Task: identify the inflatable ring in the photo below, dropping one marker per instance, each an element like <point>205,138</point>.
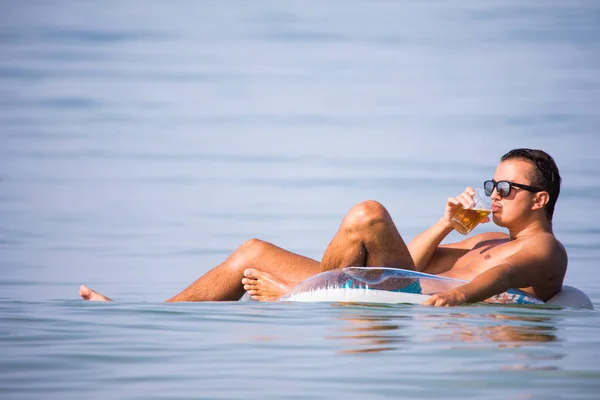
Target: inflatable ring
<point>392,285</point>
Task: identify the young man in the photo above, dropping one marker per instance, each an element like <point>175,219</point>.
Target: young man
<point>524,191</point>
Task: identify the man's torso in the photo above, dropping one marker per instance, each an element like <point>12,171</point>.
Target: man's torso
<point>491,249</point>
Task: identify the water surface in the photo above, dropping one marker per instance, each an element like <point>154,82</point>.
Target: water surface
<point>142,142</point>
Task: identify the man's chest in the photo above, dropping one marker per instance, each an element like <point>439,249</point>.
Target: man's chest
<point>487,256</point>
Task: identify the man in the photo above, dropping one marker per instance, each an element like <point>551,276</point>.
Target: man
<point>524,191</point>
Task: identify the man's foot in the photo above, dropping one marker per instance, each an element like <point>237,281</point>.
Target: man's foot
<point>88,294</point>
<point>263,286</point>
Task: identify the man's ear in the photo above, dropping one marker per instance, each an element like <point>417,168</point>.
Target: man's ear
<point>540,200</point>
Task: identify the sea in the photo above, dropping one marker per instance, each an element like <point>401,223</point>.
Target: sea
<point>141,142</point>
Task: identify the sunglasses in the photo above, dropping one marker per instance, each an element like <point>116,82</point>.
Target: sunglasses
<point>504,187</point>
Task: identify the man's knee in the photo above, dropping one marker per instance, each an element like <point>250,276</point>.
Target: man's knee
<point>253,248</point>
<point>247,254</point>
<point>365,214</point>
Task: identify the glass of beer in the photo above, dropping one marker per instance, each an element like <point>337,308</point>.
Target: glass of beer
<point>466,219</point>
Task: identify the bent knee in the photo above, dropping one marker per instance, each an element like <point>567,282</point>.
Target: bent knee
<point>246,255</point>
<point>365,213</point>
<point>251,249</point>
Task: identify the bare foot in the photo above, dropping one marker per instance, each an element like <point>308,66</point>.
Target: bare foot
<point>263,286</point>
<point>88,294</point>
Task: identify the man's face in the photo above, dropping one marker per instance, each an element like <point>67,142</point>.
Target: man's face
<point>517,205</point>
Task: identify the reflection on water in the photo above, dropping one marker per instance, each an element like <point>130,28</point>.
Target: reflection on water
<point>516,335</point>
<point>378,333</point>
<point>371,334</point>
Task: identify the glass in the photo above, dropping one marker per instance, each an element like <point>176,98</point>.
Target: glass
<point>466,219</point>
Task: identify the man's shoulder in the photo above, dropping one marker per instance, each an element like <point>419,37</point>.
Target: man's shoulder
<point>543,245</point>
<point>547,251</point>
<point>544,242</point>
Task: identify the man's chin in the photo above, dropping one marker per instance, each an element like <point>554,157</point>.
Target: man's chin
<point>498,220</point>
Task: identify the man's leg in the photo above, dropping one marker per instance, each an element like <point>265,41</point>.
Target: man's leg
<point>88,294</point>
<point>367,237</point>
<point>224,282</point>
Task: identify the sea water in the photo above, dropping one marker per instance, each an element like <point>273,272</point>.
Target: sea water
<point>141,142</point>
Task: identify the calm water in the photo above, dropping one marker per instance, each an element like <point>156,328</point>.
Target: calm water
<point>142,142</point>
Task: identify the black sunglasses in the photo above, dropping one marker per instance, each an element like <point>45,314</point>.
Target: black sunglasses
<point>504,187</point>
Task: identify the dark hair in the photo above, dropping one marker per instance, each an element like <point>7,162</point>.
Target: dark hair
<point>544,176</point>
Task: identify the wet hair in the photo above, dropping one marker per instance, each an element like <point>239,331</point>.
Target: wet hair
<point>544,176</point>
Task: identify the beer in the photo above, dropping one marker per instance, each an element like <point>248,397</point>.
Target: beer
<point>465,220</point>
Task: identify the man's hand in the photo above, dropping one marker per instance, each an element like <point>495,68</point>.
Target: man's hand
<point>453,297</point>
<point>463,200</point>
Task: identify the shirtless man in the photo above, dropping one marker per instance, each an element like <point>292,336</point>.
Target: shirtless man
<point>524,191</point>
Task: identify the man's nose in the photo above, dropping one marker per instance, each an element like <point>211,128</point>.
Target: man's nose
<point>495,196</point>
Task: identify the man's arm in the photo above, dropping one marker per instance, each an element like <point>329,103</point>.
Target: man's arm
<point>423,246</point>
<point>524,269</point>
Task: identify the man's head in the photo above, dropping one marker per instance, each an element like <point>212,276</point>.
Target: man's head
<point>538,172</point>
